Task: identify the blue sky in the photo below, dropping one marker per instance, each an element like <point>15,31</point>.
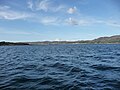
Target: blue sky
<point>40,20</point>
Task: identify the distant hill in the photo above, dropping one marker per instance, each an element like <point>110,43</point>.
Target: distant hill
<point>11,43</point>
<point>102,40</point>
<point>112,39</point>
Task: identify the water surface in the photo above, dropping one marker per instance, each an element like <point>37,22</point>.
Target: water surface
<point>60,67</point>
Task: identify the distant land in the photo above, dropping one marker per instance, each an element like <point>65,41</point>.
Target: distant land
<point>3,43</point>
<point>102,40</point>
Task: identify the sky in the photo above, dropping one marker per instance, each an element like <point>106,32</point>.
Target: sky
<point>43,20</point>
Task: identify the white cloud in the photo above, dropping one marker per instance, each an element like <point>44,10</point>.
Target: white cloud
<point>85,22</point>
<point>80,21</point>
<point>77,21</point>
<point>45,5</point>
<point>6,13</point>
<point>49,21</point>
<point>91,21</point>
<point>72,10</point>
<point>72,21</point>
<point>59,8</point>
<point>30,4</point>
<point>11,15</point>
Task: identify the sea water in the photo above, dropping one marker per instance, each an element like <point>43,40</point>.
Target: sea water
<point>60,67</point>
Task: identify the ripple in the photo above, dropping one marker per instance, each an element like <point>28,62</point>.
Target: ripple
<point>60,67</point>
<point>75,69</point>
<point>49,81</point>
<point>104,67</point>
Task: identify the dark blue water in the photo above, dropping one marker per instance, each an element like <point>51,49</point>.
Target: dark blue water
<point>60,67</point>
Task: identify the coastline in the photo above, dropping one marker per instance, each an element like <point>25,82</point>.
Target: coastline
<point>27,44</point>
<point>101,40</point>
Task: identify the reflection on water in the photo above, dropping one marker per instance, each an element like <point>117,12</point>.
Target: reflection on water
<point>60,67</point>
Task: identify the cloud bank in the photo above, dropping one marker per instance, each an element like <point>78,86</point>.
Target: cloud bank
<point>46,13</point>
<point>45,5</point>
<point>8,14</point>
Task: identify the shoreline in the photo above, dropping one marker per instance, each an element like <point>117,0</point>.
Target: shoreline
<point>101,40</point>
<point>63,44</point>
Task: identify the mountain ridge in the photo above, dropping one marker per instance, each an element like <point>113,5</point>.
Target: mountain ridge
<point>101,40</point>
